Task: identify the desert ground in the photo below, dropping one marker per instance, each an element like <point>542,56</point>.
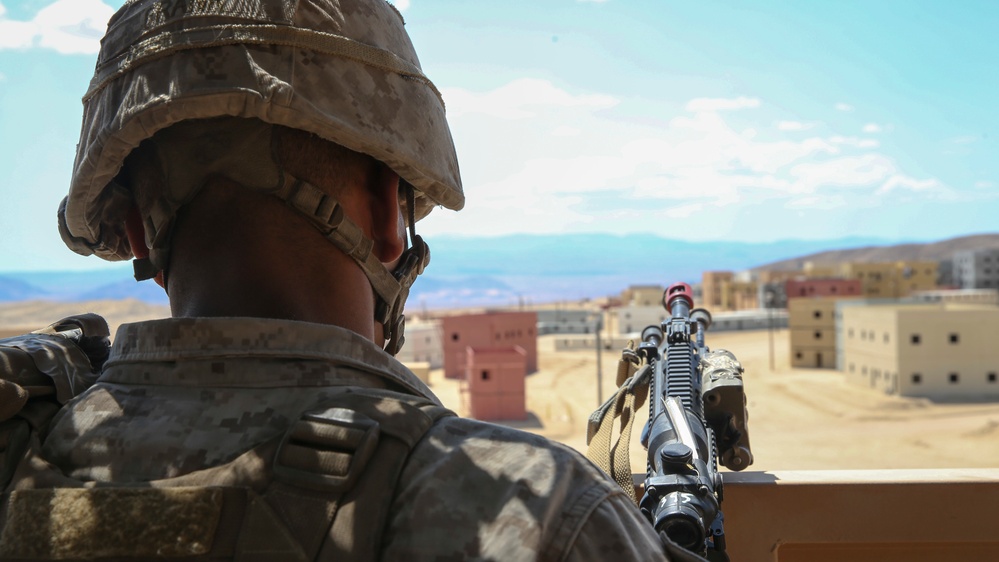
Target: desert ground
<point>798,418</point>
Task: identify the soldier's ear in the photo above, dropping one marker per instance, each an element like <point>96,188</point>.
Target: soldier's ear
<point>136,233</point>
<point>388,229</point>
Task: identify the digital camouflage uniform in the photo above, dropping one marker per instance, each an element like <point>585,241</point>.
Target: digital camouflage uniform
<point>180,395</point>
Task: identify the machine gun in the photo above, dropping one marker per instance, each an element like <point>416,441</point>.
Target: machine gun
<point>697,417</point>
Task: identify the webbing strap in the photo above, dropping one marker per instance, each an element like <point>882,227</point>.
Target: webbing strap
<point>392,288</point>
<point>615,459</point>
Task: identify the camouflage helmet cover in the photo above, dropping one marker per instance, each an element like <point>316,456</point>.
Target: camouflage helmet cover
<point>344,70</point>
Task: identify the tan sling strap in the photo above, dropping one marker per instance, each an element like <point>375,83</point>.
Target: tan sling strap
<point>614,459</point>
<point>321,491</point>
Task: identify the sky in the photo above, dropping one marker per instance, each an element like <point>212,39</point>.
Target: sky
<point>751,121</point>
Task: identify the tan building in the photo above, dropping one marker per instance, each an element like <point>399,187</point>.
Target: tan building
<point>814,270</point>
<point>643,295</point>
<point>711,288</point>
<point>892,279</point>
<point>631,320</point>
<point>722,290</point>
<point>740,295</point>
<point>812,322</point>
<point>937,351</point>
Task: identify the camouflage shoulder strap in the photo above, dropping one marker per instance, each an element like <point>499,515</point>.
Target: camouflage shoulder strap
<point>322,491</point>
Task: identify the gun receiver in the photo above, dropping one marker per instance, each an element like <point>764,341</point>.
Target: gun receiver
<point>697,415</point>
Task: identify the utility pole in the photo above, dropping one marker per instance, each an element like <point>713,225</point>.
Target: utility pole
<point>770,324</point>
<point>600,369</point>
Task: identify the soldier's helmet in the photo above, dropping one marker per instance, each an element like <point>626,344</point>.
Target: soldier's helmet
<point>344,70</point>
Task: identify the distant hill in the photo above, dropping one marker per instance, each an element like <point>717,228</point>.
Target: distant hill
<point>934,251</point>
<point>505,270</point>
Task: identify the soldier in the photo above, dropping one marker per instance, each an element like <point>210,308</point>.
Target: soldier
<point>264,160</point>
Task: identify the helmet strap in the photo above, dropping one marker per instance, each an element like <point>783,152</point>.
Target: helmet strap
<point>390,288</point>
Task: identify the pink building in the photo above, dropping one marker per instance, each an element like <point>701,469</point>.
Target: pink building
<point>493,387</point>
<point>828,287</point>
<point>491,329</point>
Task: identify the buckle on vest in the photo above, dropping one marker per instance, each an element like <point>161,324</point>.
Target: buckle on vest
<point>326,450</point>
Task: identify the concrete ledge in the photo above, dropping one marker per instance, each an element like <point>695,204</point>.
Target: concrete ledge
<point>862,515</point>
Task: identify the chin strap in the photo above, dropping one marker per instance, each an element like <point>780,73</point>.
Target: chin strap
<point>391,288</point>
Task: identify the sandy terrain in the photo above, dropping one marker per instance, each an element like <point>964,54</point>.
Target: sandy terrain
<point>799,419</point>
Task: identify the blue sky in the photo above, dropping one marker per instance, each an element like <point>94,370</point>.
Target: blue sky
<point>696,120</point>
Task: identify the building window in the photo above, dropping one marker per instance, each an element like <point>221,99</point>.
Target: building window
<point>991,377</point>
<point>953,378</point>
<point>797,355</point>
<point>915,339</point>
<point>454,336</point>
<point>917,378</point>
<point>818,335</point>
<point>485,375</point>
<point>850,332</point>
<point>863,371</point>
<point>851,367</point>
<point>954,338</point>
<point>887,338</point>
<point>817,314</point>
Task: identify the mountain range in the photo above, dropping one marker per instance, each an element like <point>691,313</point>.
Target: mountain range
<point>483,271</point>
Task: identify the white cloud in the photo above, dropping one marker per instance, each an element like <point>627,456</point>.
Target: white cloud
<point>903,182</point>
<point>699,105</point>
<point>520,99</point>
<point>843,107</point>
<point>872,128</point>
<point>65,26</point>
<point>402,5</point>
<point>983,185</point>
<point>794,126</point>
<point>854,141</point>
<point>540,158</point>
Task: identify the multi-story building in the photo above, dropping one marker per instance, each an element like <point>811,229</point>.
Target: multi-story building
<point>712,289</point>
<point>937,351</point>
<point>822,287</point>
<point>812,322</point>
<point>814,270</point>
<point>976,269</point>
<point>487,330</point>
<point>566,321</point>
<point>892,279</point>
<point>740,295</point>
<point>643,295</point>
<point>963,296</point>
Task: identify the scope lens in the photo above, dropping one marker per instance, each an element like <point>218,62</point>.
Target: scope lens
<point>684,532</point>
